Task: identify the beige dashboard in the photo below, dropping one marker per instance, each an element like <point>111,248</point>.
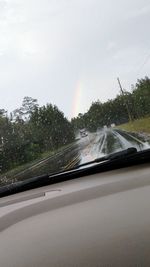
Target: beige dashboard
<point>97,220</point>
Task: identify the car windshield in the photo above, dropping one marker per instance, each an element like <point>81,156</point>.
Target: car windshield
<point>74,82</point>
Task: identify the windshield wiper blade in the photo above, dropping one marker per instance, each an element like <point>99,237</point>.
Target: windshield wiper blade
<point>113,156</point>
<point>128,157</point>
<point>120,154</point>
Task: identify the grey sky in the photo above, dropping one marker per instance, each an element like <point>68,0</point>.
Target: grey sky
<point>49,48</point>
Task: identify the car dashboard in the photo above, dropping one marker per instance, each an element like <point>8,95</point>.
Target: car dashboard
<point>97,220</point>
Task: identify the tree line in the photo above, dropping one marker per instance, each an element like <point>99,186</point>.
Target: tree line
<point>31,130</point>
<point>127,106</point>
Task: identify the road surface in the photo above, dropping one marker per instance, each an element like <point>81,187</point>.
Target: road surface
<point>109,141</point>
<point>88,148</point>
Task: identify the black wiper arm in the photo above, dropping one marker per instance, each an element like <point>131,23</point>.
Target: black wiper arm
<point>128,157</point>
<point>113,156</point>
<point>121,154</point>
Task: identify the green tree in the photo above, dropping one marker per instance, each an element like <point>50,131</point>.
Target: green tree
<point>141,96</point>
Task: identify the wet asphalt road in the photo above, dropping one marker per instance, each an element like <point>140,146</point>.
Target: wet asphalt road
<point>85,149</point>
<point>109,141</point>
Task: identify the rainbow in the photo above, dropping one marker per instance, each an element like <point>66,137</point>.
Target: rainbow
<point>77,100</point>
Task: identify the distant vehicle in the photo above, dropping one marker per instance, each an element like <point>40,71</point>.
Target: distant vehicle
<point>112,125</point>
<point>83,133</point>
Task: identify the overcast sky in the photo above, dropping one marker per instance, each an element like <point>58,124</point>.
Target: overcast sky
<point>70,52</point>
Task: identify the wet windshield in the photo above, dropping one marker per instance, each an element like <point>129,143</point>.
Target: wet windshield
<point>75,83</point>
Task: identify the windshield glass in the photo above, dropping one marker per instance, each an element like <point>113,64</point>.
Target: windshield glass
<point>74,83</point>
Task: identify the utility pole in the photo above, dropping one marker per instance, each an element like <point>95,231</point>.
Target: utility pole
<point>126,103</point>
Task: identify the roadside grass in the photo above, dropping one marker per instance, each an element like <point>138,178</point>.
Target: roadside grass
<point>141,125</point>
<point>28,165</point>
